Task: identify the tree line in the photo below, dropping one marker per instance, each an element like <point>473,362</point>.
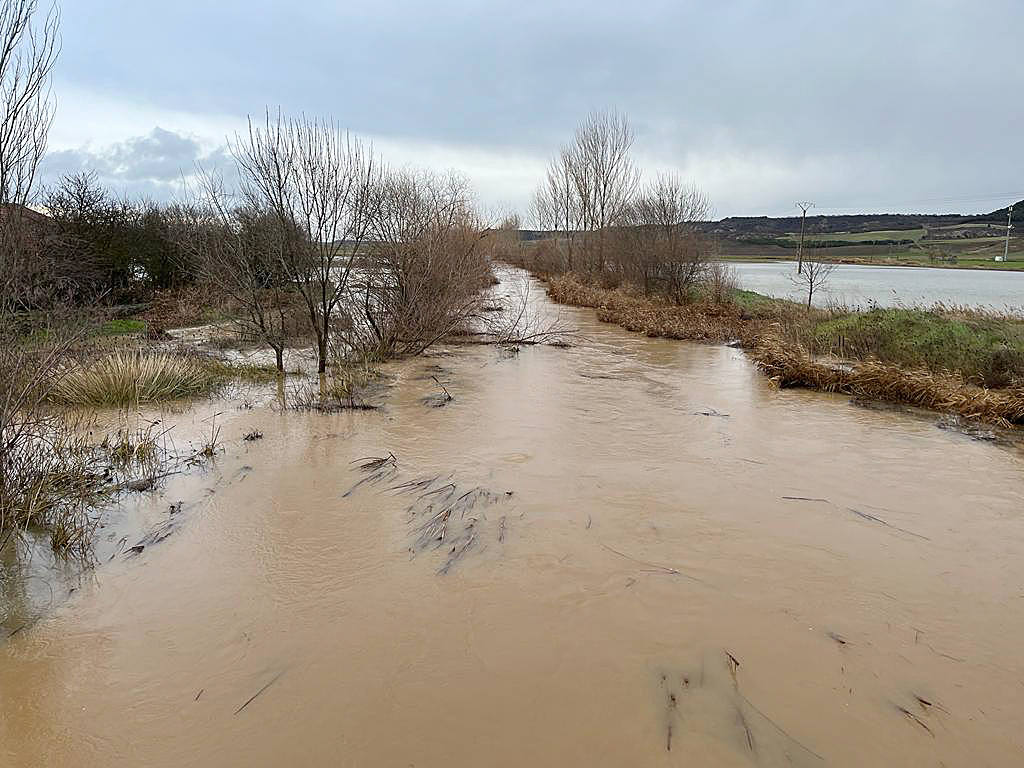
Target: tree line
<point>607,224</point>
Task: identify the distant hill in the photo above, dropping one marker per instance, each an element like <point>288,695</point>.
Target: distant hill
<point>872,238</point>
<point>745,227</point>
<point>1000,215</point>
<point>766,226</point>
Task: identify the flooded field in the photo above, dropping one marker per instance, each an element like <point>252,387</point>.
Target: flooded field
<point>861,285</point>
<point>630,552</point>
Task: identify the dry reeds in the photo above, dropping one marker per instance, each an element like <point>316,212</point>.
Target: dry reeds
<point>793,367</point>
<point>705,321</point>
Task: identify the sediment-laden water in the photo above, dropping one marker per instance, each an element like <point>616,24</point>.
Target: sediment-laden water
<point>669,562</point>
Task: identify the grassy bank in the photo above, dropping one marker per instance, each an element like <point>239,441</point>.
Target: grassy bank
<point>948,359</point>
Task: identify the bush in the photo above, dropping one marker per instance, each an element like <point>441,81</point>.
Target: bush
<point>721,282</point>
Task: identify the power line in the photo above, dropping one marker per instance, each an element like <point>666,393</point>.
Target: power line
<point>803,220</point>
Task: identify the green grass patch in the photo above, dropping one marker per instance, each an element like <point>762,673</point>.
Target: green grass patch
<point>985,349</point>
<point>225,371</point>
<point>882,234</point>
<point>754,302</point>
<point>122,326</point>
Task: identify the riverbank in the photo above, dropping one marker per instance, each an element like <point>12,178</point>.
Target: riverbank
<point>965,362</point>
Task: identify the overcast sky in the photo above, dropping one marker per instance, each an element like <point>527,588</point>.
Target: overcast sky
<point>904,105</point>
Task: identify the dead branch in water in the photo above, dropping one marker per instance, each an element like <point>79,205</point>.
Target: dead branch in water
<point>520,326</point>
<point>863,515</point>
<point>746,729</point>
<point>252,698</point>
<point>374,462</point>
<point>779,728</point>
<point>906,712</point>
<point>415,485</point>
<point>439,400</point>
<point>441,515</point>
<point>880,521</point>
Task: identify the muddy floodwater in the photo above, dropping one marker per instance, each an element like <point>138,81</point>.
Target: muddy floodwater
<point>650,557</point>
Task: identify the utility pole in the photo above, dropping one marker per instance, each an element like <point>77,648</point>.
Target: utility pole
<point>1009,226</point>
<point>800,251</point>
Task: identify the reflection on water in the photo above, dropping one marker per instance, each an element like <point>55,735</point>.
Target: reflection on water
<point>857,285</point>
<point>692,569</point>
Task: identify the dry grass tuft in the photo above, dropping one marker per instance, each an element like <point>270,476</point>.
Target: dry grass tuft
<point>133,377</point>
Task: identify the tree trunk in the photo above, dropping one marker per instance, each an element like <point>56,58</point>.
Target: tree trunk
<point>279,356</point>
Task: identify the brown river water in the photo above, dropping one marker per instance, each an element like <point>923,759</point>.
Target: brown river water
<point>621,581</point>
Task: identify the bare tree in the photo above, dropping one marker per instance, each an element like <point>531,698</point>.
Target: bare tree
<point>557,204</point>
<point>667,248</point>
<point>427,265</point>
<point>503,242</point>
<point>814,275</point>
<point>318,180</point>
<point>239,250</point>
<point>28,370</point>
<point>603,175</point>
<point>27,54</point>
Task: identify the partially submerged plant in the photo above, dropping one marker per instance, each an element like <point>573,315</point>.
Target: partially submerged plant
<point>54,478</point>
<point>340,390</point>
<point>133,377</point>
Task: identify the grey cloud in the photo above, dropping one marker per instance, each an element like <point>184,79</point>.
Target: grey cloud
<point>153,165</point>
<point>913,91</point>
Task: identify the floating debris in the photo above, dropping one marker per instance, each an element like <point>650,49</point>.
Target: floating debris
<point>910,715</point>
<point>376,468</point>
<point>252,698</point>
<point>872,518</point>
<point>712,412</point>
